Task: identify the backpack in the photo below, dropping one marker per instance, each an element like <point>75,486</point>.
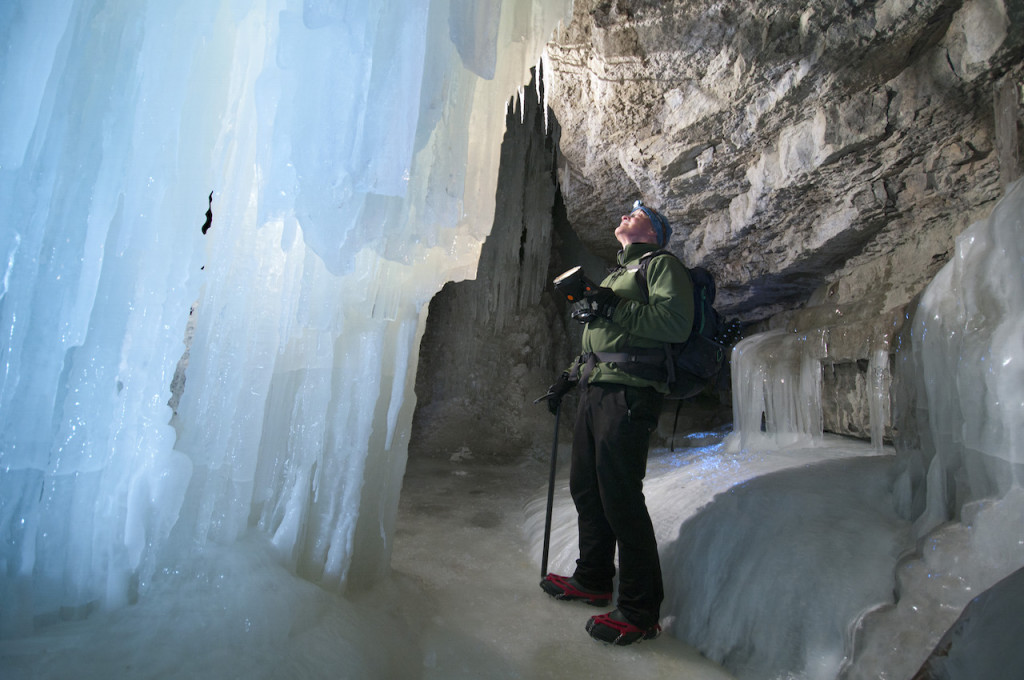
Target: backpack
<point>698,359</point>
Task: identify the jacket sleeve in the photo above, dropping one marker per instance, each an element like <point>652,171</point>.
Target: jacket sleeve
<point>668,314</point>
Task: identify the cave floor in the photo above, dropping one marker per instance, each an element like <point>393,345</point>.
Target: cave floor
<point>460,542</point>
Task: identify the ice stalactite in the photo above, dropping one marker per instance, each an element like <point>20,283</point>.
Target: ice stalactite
<point>965,369</point>
<point>879,384</point>
<point>777,389</point>
<point>352,150</point>
<point>962,450</point>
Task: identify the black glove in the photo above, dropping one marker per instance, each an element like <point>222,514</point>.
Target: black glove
<point>600,303</point>
<point>559,390</point>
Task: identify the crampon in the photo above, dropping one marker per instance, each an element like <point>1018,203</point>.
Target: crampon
<point>566,588</point>
<point>614,629</point>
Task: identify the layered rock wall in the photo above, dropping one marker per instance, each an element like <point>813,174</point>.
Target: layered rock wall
<point>789,142</point>
<point>818,157</point>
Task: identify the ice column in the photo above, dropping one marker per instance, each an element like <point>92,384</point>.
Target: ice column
<point>967,370</point>
<point>960,412</point>
<point>776,383</point>
<point>352,150</point>
<point>879,384</point>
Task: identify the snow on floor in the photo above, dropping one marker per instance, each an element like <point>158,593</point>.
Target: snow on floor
<point>461,539</point>
<point>463,602</point>
<point>463,599</point>
<point>769,554</point>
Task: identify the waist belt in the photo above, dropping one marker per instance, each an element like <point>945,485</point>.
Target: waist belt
<point>639,356</point>
<point>649,357</point>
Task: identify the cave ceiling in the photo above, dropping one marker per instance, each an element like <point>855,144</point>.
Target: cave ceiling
<point>791,144</point>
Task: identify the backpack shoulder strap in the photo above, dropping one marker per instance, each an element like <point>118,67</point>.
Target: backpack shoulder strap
<point>705,321</point>
<point>640,269</point>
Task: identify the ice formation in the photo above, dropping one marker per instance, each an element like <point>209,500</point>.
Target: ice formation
<point>793,574</point>
<point>352,151</point>
<point>792,554</point>
<point>959,397</point>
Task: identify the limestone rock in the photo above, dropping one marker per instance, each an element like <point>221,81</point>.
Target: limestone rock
<point>793,145</point>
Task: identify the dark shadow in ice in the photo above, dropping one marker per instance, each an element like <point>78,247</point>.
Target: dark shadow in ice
<point>772,575</point>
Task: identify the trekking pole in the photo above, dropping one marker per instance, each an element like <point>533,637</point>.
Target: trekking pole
<point>551,496</point>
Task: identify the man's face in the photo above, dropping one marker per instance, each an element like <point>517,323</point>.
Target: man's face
<point>636,227</point>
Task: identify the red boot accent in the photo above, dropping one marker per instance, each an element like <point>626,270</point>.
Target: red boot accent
<point>614,629</point>
<point>565,588</point>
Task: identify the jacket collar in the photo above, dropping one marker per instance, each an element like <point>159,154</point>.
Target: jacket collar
<point>634,251</point>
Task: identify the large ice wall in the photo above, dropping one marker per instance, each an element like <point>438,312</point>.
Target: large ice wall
<point>959,405</point>
<point>351,149</point>
<point>962,387</point>
<point>856,568</point>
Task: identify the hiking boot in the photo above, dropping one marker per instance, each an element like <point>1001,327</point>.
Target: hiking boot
<point>614,629</point>
<point>567,588</point>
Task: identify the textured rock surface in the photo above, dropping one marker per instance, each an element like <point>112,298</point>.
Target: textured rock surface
<point>794,145</point>
<point>819,157</point>
<point>491,345</point>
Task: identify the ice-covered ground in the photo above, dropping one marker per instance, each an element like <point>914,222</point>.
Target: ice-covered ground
<point>770,558</point>
<point>470,537</point>
<point>768,555</point>
<point>462,602</point>
<point>463,599</point>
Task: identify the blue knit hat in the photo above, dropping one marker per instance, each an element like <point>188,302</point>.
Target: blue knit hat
<point>662,229</point>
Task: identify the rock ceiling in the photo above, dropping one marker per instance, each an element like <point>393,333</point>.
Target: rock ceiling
<point>797,147</point>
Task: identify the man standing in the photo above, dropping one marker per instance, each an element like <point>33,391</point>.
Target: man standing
<point>622,377</point>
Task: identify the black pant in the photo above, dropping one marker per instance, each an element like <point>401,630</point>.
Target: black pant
<point>609,461</point>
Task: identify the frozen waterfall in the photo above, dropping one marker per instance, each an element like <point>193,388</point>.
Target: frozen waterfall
<point>351,149</point>
<point>816,558</point>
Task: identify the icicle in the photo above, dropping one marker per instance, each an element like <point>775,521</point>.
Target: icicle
<point>543,91</point>
<point>777,389</point>
<point>878,394</point>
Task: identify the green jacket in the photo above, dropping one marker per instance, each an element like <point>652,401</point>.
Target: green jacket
<point>666,317</point>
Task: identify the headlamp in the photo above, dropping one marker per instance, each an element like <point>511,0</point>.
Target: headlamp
<point>662,230</point>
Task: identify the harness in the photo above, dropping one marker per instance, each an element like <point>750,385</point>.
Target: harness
<point>651,363</point>
<point>699,357</point>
